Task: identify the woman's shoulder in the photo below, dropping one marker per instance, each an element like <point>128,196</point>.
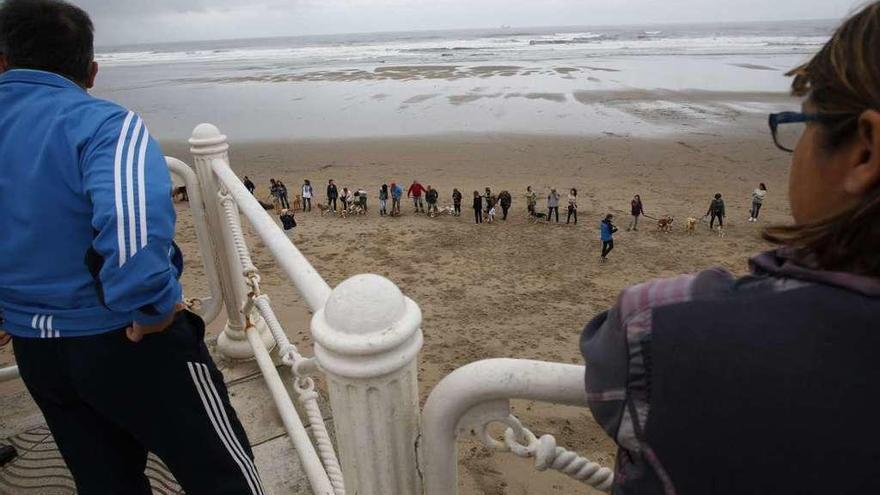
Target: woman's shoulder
<point>657,293</point>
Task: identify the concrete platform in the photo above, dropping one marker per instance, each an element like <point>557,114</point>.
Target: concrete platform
<point>39,468</point>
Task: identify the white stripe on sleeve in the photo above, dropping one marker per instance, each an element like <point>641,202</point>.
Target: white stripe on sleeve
<point>129,187</point>
<point>117,183</point>
<point>142,196</point>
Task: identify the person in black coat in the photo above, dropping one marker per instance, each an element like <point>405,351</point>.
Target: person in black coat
<point>478,207</point>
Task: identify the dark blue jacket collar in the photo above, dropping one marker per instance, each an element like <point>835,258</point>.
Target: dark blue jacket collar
<point>38,77</point>
<point>785,263</point>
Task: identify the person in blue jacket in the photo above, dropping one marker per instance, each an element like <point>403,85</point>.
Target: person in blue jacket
<point>607,230</point>
<point>90,294</point>
<point>396,194</point>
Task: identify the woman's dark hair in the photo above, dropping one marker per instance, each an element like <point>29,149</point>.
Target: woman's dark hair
<point>718,196</point>
<point>842,81</point>
<point>763,187</point>
<point>48,35</point>
<point>608,217</point>
<point>574,191</point>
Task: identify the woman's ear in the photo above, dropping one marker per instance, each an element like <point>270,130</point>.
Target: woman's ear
<point>865,174</point>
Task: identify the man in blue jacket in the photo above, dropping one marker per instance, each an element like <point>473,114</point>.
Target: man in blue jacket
<point>606,234</point>
<point>88,274</point>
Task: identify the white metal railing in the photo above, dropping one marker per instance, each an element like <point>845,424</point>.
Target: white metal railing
<point>477,395</point>
<point>208,307</point>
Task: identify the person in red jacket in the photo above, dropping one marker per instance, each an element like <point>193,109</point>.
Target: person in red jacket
<point>415,192</point>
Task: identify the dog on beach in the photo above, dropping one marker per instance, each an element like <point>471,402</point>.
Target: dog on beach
<point>490,215</point>
<point>664,224</point>
<point>446,210</point>
<point>720,231</point>
<point>179,194</point>
<point>537,217</point>
<point>691,227</point>
<point>297,203</point>
<point>324,209</point>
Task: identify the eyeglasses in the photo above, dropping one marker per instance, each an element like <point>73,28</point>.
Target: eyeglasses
<point>788,127</point>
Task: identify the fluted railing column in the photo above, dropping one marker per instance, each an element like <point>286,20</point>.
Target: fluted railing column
<point>208,144</point>
<point>368,337</point>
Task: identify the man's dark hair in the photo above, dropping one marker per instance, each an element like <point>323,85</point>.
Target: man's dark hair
<point>48,35</point>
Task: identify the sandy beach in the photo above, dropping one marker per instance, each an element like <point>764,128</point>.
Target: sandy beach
<point>513,289</point>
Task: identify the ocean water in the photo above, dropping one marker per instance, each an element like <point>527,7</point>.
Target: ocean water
<point>572,80</point>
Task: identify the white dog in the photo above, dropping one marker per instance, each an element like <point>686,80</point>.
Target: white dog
<point>490,216</point>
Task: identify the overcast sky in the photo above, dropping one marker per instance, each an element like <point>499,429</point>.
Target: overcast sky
<point>145,21</point>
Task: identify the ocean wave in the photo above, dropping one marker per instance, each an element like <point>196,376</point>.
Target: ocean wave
<point>578,40</point>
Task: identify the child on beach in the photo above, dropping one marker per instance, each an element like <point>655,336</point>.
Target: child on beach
<point>478,207</point>
<point>572,206</point>
<point>456,202</point>
<point>553,204</point>
<point>716,210</point>
<point>383,200</point>
<point>758,196</point>
<point>636,210</point>
<point>606,234</point>
<point>692,375</point>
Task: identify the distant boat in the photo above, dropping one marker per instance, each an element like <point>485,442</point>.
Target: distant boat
<point>505,26</point>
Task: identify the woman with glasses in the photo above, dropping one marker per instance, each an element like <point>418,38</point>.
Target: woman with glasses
<point>767,383</point>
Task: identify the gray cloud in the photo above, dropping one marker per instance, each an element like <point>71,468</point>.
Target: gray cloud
<point>139,21</point>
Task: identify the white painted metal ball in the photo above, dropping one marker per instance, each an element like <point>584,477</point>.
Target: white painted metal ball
<point>364,304</point>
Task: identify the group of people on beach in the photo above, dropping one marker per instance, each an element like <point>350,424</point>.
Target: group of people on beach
<point>487,206</point>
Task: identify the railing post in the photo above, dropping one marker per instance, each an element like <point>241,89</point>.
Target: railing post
<point>208,144</point>
<point>367,340</point>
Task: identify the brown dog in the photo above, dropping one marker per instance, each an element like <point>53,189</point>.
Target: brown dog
<point>691,227</point>
<point>297,203</point>
<point>664,224</point>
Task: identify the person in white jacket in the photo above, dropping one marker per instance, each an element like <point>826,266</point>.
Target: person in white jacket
<point>757,201</point>
<point>307,195</point>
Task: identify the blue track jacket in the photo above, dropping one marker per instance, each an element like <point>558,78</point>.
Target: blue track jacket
<point>85,213</point>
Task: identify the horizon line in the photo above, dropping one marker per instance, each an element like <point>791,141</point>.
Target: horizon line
<point>498,28</point>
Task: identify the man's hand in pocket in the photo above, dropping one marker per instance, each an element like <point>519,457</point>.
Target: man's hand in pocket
<point>136,331</point>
